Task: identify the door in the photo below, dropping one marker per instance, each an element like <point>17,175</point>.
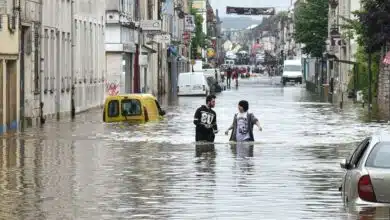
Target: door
<point>11,91</point>
<point>353,160</point>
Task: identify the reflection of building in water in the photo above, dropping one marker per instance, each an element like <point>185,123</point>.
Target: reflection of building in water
<point>11,179</point>
<point>54,165</point>
<point>36,178</point>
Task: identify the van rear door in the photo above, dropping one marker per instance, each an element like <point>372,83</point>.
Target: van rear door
<point>198,82</point>
<point>184,83</point>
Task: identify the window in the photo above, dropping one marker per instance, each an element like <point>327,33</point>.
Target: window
<point>292,68</point>
<point>131,107</point>
<point>359,151</point>
<point>379,156</point>
<point>113,108</point>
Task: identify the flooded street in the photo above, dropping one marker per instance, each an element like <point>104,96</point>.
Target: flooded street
<point>90,170</point>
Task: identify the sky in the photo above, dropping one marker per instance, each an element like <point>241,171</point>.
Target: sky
<point>221,5</point>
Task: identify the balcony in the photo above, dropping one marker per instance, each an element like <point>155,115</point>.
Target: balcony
<point>30,11</point>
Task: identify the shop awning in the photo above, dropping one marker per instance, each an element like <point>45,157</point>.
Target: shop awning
<point>148,49</point>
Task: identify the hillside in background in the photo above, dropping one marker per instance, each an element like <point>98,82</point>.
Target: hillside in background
<point>238,22</point>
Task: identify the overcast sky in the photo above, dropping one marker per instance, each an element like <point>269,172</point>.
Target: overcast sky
<point>221,5</point>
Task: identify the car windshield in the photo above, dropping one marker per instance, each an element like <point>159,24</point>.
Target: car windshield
<point>292,68</point>
<point>379,156</point>
<point>131,107</point>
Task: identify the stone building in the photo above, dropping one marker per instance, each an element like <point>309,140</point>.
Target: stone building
<point>9,65</point>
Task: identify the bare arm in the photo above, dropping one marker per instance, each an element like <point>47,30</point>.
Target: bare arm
<point>257,122</point>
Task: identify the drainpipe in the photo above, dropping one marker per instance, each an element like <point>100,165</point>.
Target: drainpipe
<point>136,82</point>
<point>72,97</point>
<point>41,67</point>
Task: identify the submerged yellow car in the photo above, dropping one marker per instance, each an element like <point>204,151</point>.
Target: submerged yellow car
<point>134,108</point>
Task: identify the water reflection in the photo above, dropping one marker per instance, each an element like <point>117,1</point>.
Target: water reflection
<point>36,177</point>
<point>243,153</point>
<point>205,154</point>
<point>370,213</point>
<point>242,149</point>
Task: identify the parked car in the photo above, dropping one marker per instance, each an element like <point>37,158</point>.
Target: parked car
<point>367,176</point>
<point>193,84</point>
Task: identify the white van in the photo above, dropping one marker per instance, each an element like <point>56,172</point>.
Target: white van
<point>292,71</point>
<point>192,83</point>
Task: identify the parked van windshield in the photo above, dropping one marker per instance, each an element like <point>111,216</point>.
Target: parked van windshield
<point>292,68</point>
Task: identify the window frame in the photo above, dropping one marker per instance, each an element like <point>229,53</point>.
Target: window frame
<point>132,115</point>
<point>117,108</point>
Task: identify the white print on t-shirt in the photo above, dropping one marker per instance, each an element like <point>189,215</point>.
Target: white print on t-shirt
<point>242,132</point>
<point>206,118</point>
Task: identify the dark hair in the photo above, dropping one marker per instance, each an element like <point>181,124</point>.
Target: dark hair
<point>209,98</point>
<point>244,104</point>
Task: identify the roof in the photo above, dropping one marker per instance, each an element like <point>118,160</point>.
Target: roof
<point>134,95</point>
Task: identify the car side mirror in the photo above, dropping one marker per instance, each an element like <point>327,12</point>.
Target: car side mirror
<point>162,112</point>
<point>344,164</point>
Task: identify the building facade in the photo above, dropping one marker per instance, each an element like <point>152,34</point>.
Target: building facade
<point>339,48</point>
<point>30,61</point>
<point>89,69</point>
<point>120,45</point>
<point>9,65</point>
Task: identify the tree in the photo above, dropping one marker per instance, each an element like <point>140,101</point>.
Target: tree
<point>311,26</point>
<point>199,40</point>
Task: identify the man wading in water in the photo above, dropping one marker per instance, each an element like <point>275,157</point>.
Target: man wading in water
<point>243,123</point>
<point>205,120</point>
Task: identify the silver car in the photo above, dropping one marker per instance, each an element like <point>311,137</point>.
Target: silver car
<point>367,177</point>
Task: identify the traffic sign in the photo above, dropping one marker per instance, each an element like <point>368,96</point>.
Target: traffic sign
<point>250,11</point>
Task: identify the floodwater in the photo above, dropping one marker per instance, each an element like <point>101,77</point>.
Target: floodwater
<point>89,170</point>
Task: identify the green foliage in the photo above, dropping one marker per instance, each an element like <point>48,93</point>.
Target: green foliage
<point>199,40</point>
<point>311,26</point>
<point>361,57</point>
<point>370,28</point>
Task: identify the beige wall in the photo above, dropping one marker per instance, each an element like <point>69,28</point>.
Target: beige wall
<point>9,42</point>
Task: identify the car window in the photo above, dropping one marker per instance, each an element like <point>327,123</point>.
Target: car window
<point>358,153</point>
<point>292,68</point>
<point>379,156</point>
<point>131,107</point>
<point>113,108</point>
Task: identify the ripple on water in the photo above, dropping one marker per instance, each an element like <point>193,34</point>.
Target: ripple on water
<point>89,170</point>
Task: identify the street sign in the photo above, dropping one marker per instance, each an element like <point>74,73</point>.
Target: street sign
<point>189,23</point>
<point>162,38</point>
<point>151,25</point>
<point>250,11</point>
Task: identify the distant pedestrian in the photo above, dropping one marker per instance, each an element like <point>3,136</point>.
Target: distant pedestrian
<point>205,120</point>
<point>229,73</point>
<point>243,123</point>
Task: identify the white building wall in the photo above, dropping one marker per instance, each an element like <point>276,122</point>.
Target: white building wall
<point>56,54</point>
<point>120,46</point>
<point>89,65</point>
<point>90,54</point>
<point>355,5</point>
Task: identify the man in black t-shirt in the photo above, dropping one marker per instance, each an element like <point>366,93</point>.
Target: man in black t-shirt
<point>205,120</point>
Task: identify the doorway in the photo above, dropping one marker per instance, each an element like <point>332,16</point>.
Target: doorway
<point>11,91</point>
